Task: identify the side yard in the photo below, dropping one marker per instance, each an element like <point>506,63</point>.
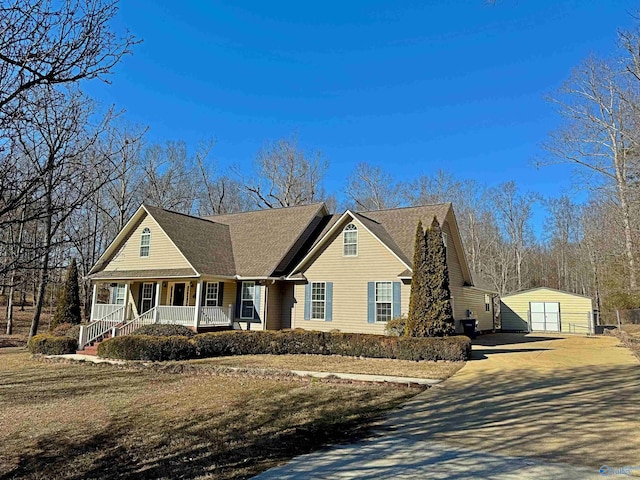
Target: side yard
<point>21,326</point>
<point>80,421</point>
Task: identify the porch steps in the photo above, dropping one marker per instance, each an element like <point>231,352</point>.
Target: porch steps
<point>92,349</point>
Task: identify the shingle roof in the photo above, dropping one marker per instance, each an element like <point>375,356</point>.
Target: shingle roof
<point>482,282</point>
<point>396,227</point>
<point>262,239</point>
<point>157,273</point>
<point>205,244</point>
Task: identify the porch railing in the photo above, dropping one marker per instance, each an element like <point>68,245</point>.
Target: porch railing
<point>145,319</point>
<point>101,310</point>
<point>209,316</point>
<point>214,316</point>
<point>100,327</point>
<point>176,315</point>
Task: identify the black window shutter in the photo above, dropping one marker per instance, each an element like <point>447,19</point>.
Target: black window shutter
<point>220,293</point>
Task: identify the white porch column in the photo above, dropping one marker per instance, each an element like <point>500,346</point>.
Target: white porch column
<point>157,301</point>
<point>126,303</point>
<point>196,319</point>
<point>94,301</point>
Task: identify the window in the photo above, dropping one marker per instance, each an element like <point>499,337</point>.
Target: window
<point>211,295</point>
<point>147,297</point>
<point>145,242</point>
<point>384,298</point>
<point>318,300</point>
<point>248,295</point>
<point>487,303</point>
<point>350,240</point>
<point>118,294</point>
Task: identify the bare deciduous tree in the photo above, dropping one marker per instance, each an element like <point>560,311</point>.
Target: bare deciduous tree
<point>514,212</point>
<point>601,134</point>
<point>286,176</point>
<point>371,188</point>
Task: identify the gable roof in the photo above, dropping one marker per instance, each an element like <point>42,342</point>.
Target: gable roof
<point>395,229</point>
<point>400,224</point>
<point>547,288</point>
<point>196,238</point>
<point>263,239</point>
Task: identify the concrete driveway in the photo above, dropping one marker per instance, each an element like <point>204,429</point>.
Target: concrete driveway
<point>526,406</point>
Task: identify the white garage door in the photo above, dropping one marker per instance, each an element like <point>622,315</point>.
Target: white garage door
<point>545,316</point>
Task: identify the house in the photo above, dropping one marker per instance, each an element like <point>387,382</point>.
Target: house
<point>296,267</point>
<point>547,310</point>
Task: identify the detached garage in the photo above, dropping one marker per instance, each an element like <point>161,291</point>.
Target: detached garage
<point>546,310</point>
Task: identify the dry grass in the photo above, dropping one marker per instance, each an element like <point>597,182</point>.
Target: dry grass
<point>21,326</point>
<point>325,363</point>
<point>630,337</point>
<point>96,421</point>
<point>633,330</point>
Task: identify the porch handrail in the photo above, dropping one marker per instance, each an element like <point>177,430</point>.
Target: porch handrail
<point>101,310</point>
<point>176,314</point>
<point>100,327</point>
<point>215,316</point>
<point>128,328</point>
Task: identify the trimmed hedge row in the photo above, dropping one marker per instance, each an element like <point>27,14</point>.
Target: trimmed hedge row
<point>147,347</point>
<point>48,344</point>
<point>143,347</point>
<point>165,330</point>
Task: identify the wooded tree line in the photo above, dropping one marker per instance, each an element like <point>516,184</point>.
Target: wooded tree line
<point>71,173</point>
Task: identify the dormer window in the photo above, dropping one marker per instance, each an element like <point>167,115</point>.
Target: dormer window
<point>145,242</point>
<point>350,240</point>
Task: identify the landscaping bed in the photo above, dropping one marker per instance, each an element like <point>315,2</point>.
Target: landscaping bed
<point>64,420</point>
<point>292,342</point>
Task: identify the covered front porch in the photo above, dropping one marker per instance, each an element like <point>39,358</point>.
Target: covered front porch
<point>119,307</point>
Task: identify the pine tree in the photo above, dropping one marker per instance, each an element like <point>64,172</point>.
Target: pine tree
<point>68,309</point>
<point>419,298</point>
<point>439,315</point>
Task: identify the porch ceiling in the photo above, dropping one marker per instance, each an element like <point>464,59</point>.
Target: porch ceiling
<point>135,274</point>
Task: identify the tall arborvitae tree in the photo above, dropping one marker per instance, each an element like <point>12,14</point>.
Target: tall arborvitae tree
<point>68,310</point>
<point>419,297</point>
<point>439,312</point>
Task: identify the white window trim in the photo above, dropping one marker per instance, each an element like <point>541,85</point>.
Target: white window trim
<point>323,301</point>
<point>344,239</point>
<point>242,300</point>
<point>120,288</point>
<point>378,302</point>
<point>150,299</point>
<point>487,303</point>
<point>146,235</point>
<point>445,238</point>
<point>207,298</point>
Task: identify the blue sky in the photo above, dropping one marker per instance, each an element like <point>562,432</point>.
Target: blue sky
<point>414,86</point>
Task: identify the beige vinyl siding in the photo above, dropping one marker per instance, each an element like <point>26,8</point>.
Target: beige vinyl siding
<point>350,276</point>
<point>474,300</point>
<point>229,296</point>
<point>162,252</point>
<point>456,278</point>
<point>274,307</point>
<point>575,310</point>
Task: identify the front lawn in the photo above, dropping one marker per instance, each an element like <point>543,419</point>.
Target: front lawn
<point>98,421</point>
<point>333,363</point>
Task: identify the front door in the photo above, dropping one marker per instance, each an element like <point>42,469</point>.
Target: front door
<point>178,295</point>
